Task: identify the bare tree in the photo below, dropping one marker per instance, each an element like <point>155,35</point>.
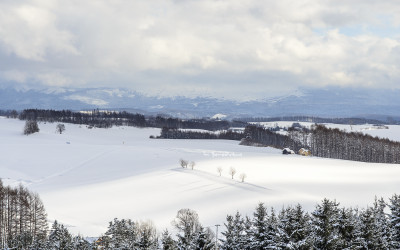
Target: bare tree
<point>232,171</point>
<point>183,163</point>
<point>60,128</point>
<point>242,176</point>
<point>219,170</point>
<point>192,164</point>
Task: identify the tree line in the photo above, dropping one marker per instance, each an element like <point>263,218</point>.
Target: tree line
<point>315,119</point>
<point>107,119</point>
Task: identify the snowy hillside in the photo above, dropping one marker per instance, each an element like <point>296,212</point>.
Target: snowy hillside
<point>87,177</point>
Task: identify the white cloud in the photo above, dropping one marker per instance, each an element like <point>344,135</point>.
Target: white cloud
<point>221,48</point>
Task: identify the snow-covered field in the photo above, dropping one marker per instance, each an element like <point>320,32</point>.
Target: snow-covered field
<point>87,177</point>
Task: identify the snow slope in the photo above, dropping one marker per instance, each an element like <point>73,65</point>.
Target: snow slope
<point>87,177</point>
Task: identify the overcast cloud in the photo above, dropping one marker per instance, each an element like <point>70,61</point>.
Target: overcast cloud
<point>222,48</point>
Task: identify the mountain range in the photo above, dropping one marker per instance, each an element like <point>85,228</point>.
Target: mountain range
<point>328,102</point>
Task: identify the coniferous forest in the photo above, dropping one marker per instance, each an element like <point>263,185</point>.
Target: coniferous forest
<point>23,225</point>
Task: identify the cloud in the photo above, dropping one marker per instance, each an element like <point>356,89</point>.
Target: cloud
<point>220,48</point>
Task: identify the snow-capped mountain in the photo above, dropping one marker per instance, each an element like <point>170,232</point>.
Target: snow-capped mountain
<point>315,102</point>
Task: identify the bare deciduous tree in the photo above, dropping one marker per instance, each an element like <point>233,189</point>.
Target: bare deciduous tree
<point>183,163</point>
<point>219,170</point>
<point>242,176</point>
<point>232,171</point>
<point>60,128</point>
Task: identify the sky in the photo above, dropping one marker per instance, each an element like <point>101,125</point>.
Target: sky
<point>231,49</point>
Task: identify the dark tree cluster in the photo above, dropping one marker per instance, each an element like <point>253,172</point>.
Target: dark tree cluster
<point>94,118</point>
<point>167,133</point>
<point>327,227</point>
<point>106,119</point>
<point>205,124</point>
<point>23,219</point>
<point>264,136</point>
<point>9,113</point>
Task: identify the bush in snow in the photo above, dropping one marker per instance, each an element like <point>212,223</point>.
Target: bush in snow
<point>31,127</point>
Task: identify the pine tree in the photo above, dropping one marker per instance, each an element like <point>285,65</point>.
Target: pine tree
<point>346,228</point>
<point>229,234</point>
<point>167,241</point>
<point>294,228</point>
<point>121,234</point>
<point>369,232</point>
<point>78,242</point>
<point>59,237</point>
<point>203,239</point>
<point>263,229</point>
<point>384,231</point>
<point>394,217</point>
<point>325,225</point>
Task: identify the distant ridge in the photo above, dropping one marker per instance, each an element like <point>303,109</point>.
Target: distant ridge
<point>375,104</point>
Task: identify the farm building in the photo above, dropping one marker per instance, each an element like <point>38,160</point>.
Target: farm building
<point>304,152</point>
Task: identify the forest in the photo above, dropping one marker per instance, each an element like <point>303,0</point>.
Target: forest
<point>23,225</point>
<point>107,119</point>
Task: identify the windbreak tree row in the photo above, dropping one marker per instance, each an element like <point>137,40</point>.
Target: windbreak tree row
<point>106,119</point>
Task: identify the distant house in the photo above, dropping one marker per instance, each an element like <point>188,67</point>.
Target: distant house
<point>287,151</point>
<point>304,152</point>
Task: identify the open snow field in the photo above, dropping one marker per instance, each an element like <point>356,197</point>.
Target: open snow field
<point>87,177</point>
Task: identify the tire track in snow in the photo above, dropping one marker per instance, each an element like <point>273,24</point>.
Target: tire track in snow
<point>81,164</point>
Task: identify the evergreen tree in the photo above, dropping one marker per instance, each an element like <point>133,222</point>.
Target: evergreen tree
<point>235,236</point>
<point>78,242</point>
<point>347,228</point>
<point>325,225</point>
<point>203,239</point>
<point>369,233</point>
<point>59,237</point>
<point>294,228</point>
<point>394,217</point>
<point>229,234</point>
<point>121,234</point>
<point>167,241</point>
<point>263,231</point>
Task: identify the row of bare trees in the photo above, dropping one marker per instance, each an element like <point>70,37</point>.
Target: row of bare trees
<point>22,217</point>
